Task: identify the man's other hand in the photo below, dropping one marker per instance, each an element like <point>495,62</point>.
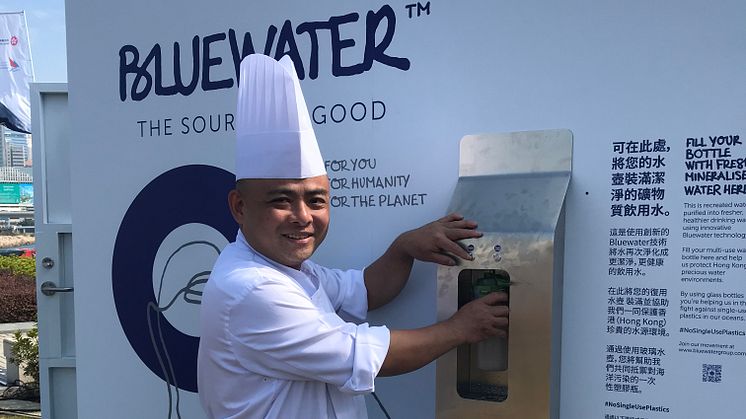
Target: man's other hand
<point>437,241</point>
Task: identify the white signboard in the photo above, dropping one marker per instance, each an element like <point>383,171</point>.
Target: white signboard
<point>654,303</point>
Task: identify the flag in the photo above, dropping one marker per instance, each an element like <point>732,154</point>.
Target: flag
<point>16,72</point>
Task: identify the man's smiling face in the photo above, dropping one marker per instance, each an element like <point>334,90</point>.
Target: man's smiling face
<point>283,219</point>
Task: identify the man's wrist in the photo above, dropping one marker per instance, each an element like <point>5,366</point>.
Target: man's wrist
<point>452,329</point>
<point>399,248</point>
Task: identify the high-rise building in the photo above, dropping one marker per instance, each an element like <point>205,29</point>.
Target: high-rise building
<point>15,148</point>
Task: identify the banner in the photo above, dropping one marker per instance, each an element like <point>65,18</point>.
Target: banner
<point>16,72</point>
<point>16,193</point>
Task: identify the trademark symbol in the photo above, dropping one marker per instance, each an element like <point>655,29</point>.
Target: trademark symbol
<point>418,8</point>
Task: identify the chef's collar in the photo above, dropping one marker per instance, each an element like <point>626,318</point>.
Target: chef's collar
<point>304,277</point>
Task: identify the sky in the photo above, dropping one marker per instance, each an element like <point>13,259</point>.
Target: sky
<point>46,21</point>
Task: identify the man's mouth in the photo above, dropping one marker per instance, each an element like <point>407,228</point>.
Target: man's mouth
<point>298,236</point>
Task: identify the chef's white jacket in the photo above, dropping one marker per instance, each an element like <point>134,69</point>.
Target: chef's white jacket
<point>274,342</point>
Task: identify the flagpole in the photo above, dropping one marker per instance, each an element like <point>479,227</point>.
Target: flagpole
<point>28,42</point>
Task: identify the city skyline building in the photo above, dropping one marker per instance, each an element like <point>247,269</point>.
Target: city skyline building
<point>15,148</point>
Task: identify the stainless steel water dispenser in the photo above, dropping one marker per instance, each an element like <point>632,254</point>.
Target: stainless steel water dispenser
<point>514,186</point>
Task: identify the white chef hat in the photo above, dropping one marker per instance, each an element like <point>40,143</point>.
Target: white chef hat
<point>274,135</point>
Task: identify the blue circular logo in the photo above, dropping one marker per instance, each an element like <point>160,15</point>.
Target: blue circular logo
<point>194,194</point>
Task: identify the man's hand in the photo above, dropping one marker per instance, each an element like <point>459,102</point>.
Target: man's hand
<point>474,322</point>
<point>437,241</point>
<point>482,318</point>
<point>433,242</point>
<point>478,320</point>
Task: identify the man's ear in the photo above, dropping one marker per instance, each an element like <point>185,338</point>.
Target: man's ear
<point>236,205</point>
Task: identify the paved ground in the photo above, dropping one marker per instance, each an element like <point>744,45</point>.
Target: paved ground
<point>18,405</point>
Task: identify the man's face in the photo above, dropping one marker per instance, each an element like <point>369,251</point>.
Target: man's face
<point>283,219</point>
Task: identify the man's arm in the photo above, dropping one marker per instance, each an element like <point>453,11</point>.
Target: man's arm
<point>478,320</point>
<point>384,279</point>
<point>433,242</point>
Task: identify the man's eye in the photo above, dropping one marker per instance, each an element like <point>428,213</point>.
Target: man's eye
<point>317,202</point>
<point>279,201</point>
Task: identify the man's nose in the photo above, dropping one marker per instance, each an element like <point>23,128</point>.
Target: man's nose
<point>302,214</point>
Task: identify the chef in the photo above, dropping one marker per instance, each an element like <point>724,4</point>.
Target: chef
<point>281,336</point>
